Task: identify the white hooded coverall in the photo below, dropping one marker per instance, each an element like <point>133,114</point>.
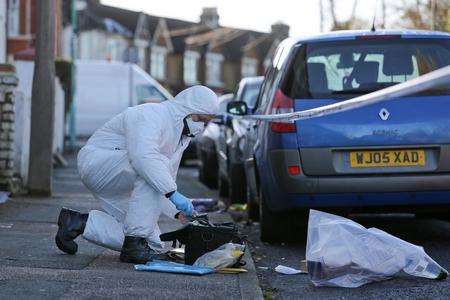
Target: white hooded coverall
<point>131,162</point>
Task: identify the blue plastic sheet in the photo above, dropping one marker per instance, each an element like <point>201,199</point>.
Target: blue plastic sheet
<point>172,267</point>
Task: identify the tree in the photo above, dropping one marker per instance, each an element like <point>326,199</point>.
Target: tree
<point>43,102</point>
<point>353,22</point>
<point>426,14</point>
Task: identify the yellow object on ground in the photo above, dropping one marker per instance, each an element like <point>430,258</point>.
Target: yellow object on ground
<point>231,271</point>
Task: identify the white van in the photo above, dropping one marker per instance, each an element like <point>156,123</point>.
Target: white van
<point>104,89</point>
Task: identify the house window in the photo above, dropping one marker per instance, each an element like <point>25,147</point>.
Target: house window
<point>249,67</point>
<point>115,49</point>
<point>158,62</point>
<point>112,49</point>
<point>13,17</point>
<point>141,57</point>
<point>214,69</point>
<point>190,65</point>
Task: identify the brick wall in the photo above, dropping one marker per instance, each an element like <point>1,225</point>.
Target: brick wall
<point>8,82</point>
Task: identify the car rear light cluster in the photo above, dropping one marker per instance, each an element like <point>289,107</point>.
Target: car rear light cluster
<point>379,37</point>
<point>282,104</point>
<point>294,170</point>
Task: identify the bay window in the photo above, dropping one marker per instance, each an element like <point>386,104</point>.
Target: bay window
<point>158,62</point>
<point>190,67</point>
<point>214,69</point>
<point>249,67</point>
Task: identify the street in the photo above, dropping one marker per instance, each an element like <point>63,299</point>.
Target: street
<point>32,267</point>
<point>433,235</point>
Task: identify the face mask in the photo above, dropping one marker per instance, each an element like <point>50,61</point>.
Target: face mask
<point>195,128</point>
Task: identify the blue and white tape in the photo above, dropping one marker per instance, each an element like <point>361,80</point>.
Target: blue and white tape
<point>419,84</point>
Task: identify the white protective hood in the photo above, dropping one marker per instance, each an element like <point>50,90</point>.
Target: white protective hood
<point>194,100</point>
<point>153,135</point>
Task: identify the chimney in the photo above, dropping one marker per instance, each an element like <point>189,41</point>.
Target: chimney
<point>210,17</point>
<point>280,30</point>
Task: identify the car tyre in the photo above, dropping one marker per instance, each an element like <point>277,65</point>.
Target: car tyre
<point>223,187</point>
<point>237,184</point>
<point>209,170</point>
<point>252,207</point>
<point>201,167</point>
<point>445,216</point>
<point>279,227</point>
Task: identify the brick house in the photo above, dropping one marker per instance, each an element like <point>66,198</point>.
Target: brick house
<point>108,33</point>
<point>21,28</point>
<point>3,31</point>
<point>177,53</point>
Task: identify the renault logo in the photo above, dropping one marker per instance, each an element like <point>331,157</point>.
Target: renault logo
<point>384,114</point>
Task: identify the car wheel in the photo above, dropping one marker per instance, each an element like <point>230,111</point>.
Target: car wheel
<point>237,185</point>
<point>223,187</point>
<point>201,167</point>
<point>252,207</point>
<point>210,170</point>
<point>440,216</point>
<point>279,227</point>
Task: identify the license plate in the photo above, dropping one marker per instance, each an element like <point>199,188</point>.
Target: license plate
<point>387,158</point>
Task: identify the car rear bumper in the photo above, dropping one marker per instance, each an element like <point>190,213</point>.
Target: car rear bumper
<point>288,191</point>
<point>380,183</point>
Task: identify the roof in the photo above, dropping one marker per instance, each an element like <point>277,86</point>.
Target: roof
<point>351,34</point>
<point>207,37</point>
<point>125,17</point>
<point>231,45</point>
<point>178,36</point>
<point>229,40</point>
<point>262,45</point>
<point>232,42</point>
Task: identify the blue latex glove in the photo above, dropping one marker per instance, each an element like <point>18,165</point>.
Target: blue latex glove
<point>182,203</point>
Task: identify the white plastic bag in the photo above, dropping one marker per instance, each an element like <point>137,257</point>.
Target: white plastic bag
<point>340,252</point>
<point>225,256</point>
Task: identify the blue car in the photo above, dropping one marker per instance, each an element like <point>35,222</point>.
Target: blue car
<point>390,156</point>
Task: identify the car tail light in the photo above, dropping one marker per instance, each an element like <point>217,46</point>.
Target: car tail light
<point>294,170</point>
<point>379,37</point>
<point>282,104</point>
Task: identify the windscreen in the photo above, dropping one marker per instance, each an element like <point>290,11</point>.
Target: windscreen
<point>344,69</point>
<point>148,93</point>
<point>250,95</point>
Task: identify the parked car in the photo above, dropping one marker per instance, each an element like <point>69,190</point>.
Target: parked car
<point>231,163</point>
<point>104,89</point>
<point>389,156</point>
<point>207,145</point>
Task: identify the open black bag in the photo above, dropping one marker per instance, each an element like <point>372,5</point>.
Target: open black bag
<point>200,237</point>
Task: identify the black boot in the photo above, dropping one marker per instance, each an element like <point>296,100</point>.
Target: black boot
<point>71,224</point>
<point>136,250</point>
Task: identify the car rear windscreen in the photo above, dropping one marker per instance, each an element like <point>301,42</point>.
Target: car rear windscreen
<point>344,69</point>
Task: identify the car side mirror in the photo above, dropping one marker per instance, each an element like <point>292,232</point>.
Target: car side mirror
<point>238,108</point>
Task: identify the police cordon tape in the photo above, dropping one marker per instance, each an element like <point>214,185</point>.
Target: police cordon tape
<point>419,84</point>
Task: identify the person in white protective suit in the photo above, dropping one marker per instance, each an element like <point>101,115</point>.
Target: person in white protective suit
<point>130,164</point>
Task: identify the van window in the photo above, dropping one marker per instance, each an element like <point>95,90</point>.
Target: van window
<point>344,69</point>
<point>146,93</point>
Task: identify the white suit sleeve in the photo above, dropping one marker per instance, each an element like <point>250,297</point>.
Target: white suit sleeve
<point>168,208</point>
<point>143,138</point>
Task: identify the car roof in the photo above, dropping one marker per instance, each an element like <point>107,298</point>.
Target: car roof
<point>352,34</point>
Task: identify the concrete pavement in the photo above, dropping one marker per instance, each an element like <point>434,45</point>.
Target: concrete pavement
<point>32,267</point>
